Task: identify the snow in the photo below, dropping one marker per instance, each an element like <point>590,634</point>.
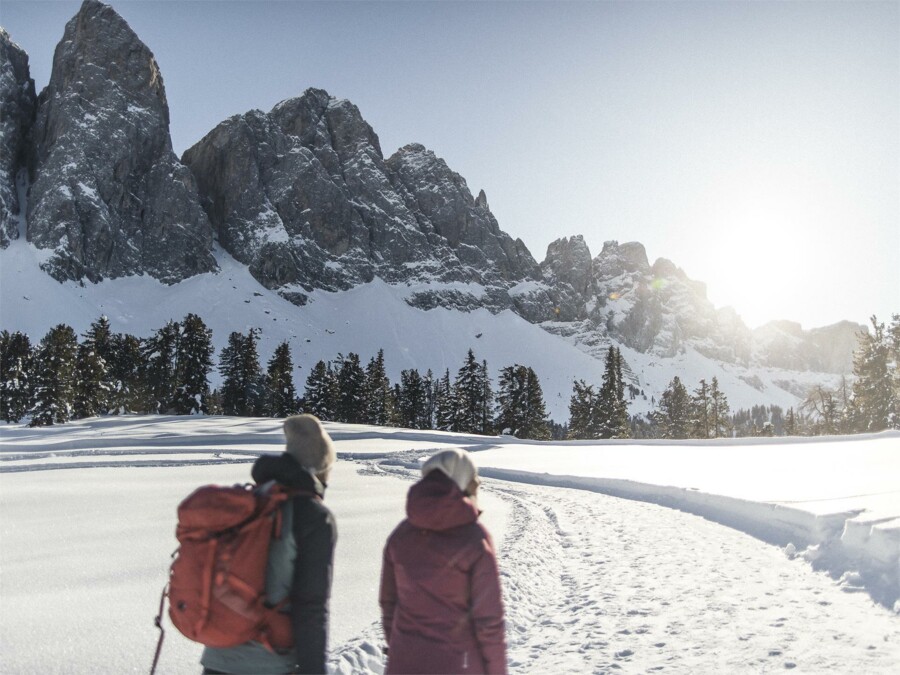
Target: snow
<point>592,582</point>
<point>363,320</point>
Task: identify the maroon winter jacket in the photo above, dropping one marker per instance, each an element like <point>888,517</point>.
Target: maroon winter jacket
<point>441,607</point>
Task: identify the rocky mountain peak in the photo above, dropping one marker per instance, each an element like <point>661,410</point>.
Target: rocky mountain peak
<point>17,105</point>
<point>481,200</point>
<point>108,195</point>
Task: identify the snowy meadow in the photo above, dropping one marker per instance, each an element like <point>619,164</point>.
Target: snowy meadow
<point>735,556</point>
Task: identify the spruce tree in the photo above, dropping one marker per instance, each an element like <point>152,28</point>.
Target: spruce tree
<point>159,352</point>
<point>379,396</point>
<point>429,384</point>
<point>486,419</point>
<point>471,392</point>
<point>520,404</point>
<point>99,340</point>
<point>282,396</point>
<point>412,401</point>
<point>194,361</point>
<point>90,394</point>
<point>54,377</point>
<point>444,404</point>
<point>674,414</point>
<point>583,412</point>
<point>873,390</point>
<point>320,397</point>
<point>701,406</point>
<point>126,371</point>
<point>720,412</point>
<point>15,376</point>
<point>621,426</point>
<point>243,382</point>
<point>791,427</point>
<point>351,403</point>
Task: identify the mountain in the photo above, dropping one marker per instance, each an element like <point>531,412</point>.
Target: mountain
<point>108,196</point>
<point>17,101</point>
<point>303,200</point>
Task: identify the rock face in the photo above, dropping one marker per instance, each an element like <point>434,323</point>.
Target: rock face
<point>784,344</point>
<point>304,196</point>
<point>108,195</point>
<point>17,102</point>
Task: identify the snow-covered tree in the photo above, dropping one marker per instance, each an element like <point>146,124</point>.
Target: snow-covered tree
<point>873,403</point>
<point>15,375</point>
<point>90,394</point>
<point>159,352</point>
<point>320,397</point>
<point>719,411</point>
<point>194,361</point>
<point>611,411</point>
<point>126,370</point>
<point>351,403</point>
<point>99,340</point>
<point>54,377</point>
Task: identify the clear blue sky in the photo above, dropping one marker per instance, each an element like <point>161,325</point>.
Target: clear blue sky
<point>755,144</point>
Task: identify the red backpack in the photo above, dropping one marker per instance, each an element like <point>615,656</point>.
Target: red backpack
<point>217,583</point>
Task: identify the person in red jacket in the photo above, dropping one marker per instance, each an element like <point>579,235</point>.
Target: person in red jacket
<point>441,604</point>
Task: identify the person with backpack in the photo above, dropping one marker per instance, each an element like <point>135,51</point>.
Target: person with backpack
<point>440,597</point>
<point>299,568</point>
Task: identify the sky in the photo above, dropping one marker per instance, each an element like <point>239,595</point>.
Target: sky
<point>754,144</point>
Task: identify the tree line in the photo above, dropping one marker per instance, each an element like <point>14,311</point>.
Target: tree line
<point>61,379</point>
<point>107,373</point>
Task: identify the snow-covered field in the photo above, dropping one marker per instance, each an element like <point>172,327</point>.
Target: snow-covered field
<point>592,582</point>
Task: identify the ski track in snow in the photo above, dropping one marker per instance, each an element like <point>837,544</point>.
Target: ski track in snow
<point>598,584</point>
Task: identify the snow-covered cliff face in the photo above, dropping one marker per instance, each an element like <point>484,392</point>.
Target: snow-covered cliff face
<point>17,102</point>
<point>304,198</point>
<point>108,195</point>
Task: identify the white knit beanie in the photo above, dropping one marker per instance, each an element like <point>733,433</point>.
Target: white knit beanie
<point>308,443</point>
<point>456,464</point>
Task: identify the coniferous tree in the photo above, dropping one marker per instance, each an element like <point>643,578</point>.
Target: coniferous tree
<point>281,393</point>
<point>621,425</point>
<point>351,403</point>
<point>791,426</point>
<point>54,377</point>
<point>429,383</point>
<point>486,418</point>
<point>126,371</point>
<point>412,401</point>
<point>444,404</point>
<point>873,390</point>
<point>582,412</point>
<point>15,376</point>
<point>159,352</point>
<point>701,406</point>
<point>379,395</point>
<point>674,414</point>
<point>90,395</point>
<point>320,397</point>
<point>610,412</point>
<point>243,382</point>
<point>471,394</point>
<point>719,410</point>
<point>194,361</point>
<point>99,340</point>
<point>520,404</point>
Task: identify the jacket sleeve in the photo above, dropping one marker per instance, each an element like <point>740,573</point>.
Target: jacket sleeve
<point>387,595</point>
<point>316,534</point>
<point>487,610</point>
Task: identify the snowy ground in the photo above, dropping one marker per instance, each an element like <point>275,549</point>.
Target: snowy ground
<point>592,582</point>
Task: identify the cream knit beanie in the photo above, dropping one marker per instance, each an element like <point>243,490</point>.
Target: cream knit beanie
<point>308,443</point>
<point>456,464</point>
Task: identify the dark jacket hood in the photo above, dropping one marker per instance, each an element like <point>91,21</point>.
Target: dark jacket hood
<point>285,470</point>
<point>436,503</point>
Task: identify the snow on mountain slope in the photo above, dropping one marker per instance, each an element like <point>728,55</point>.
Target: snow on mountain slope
<point>362,320</point>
